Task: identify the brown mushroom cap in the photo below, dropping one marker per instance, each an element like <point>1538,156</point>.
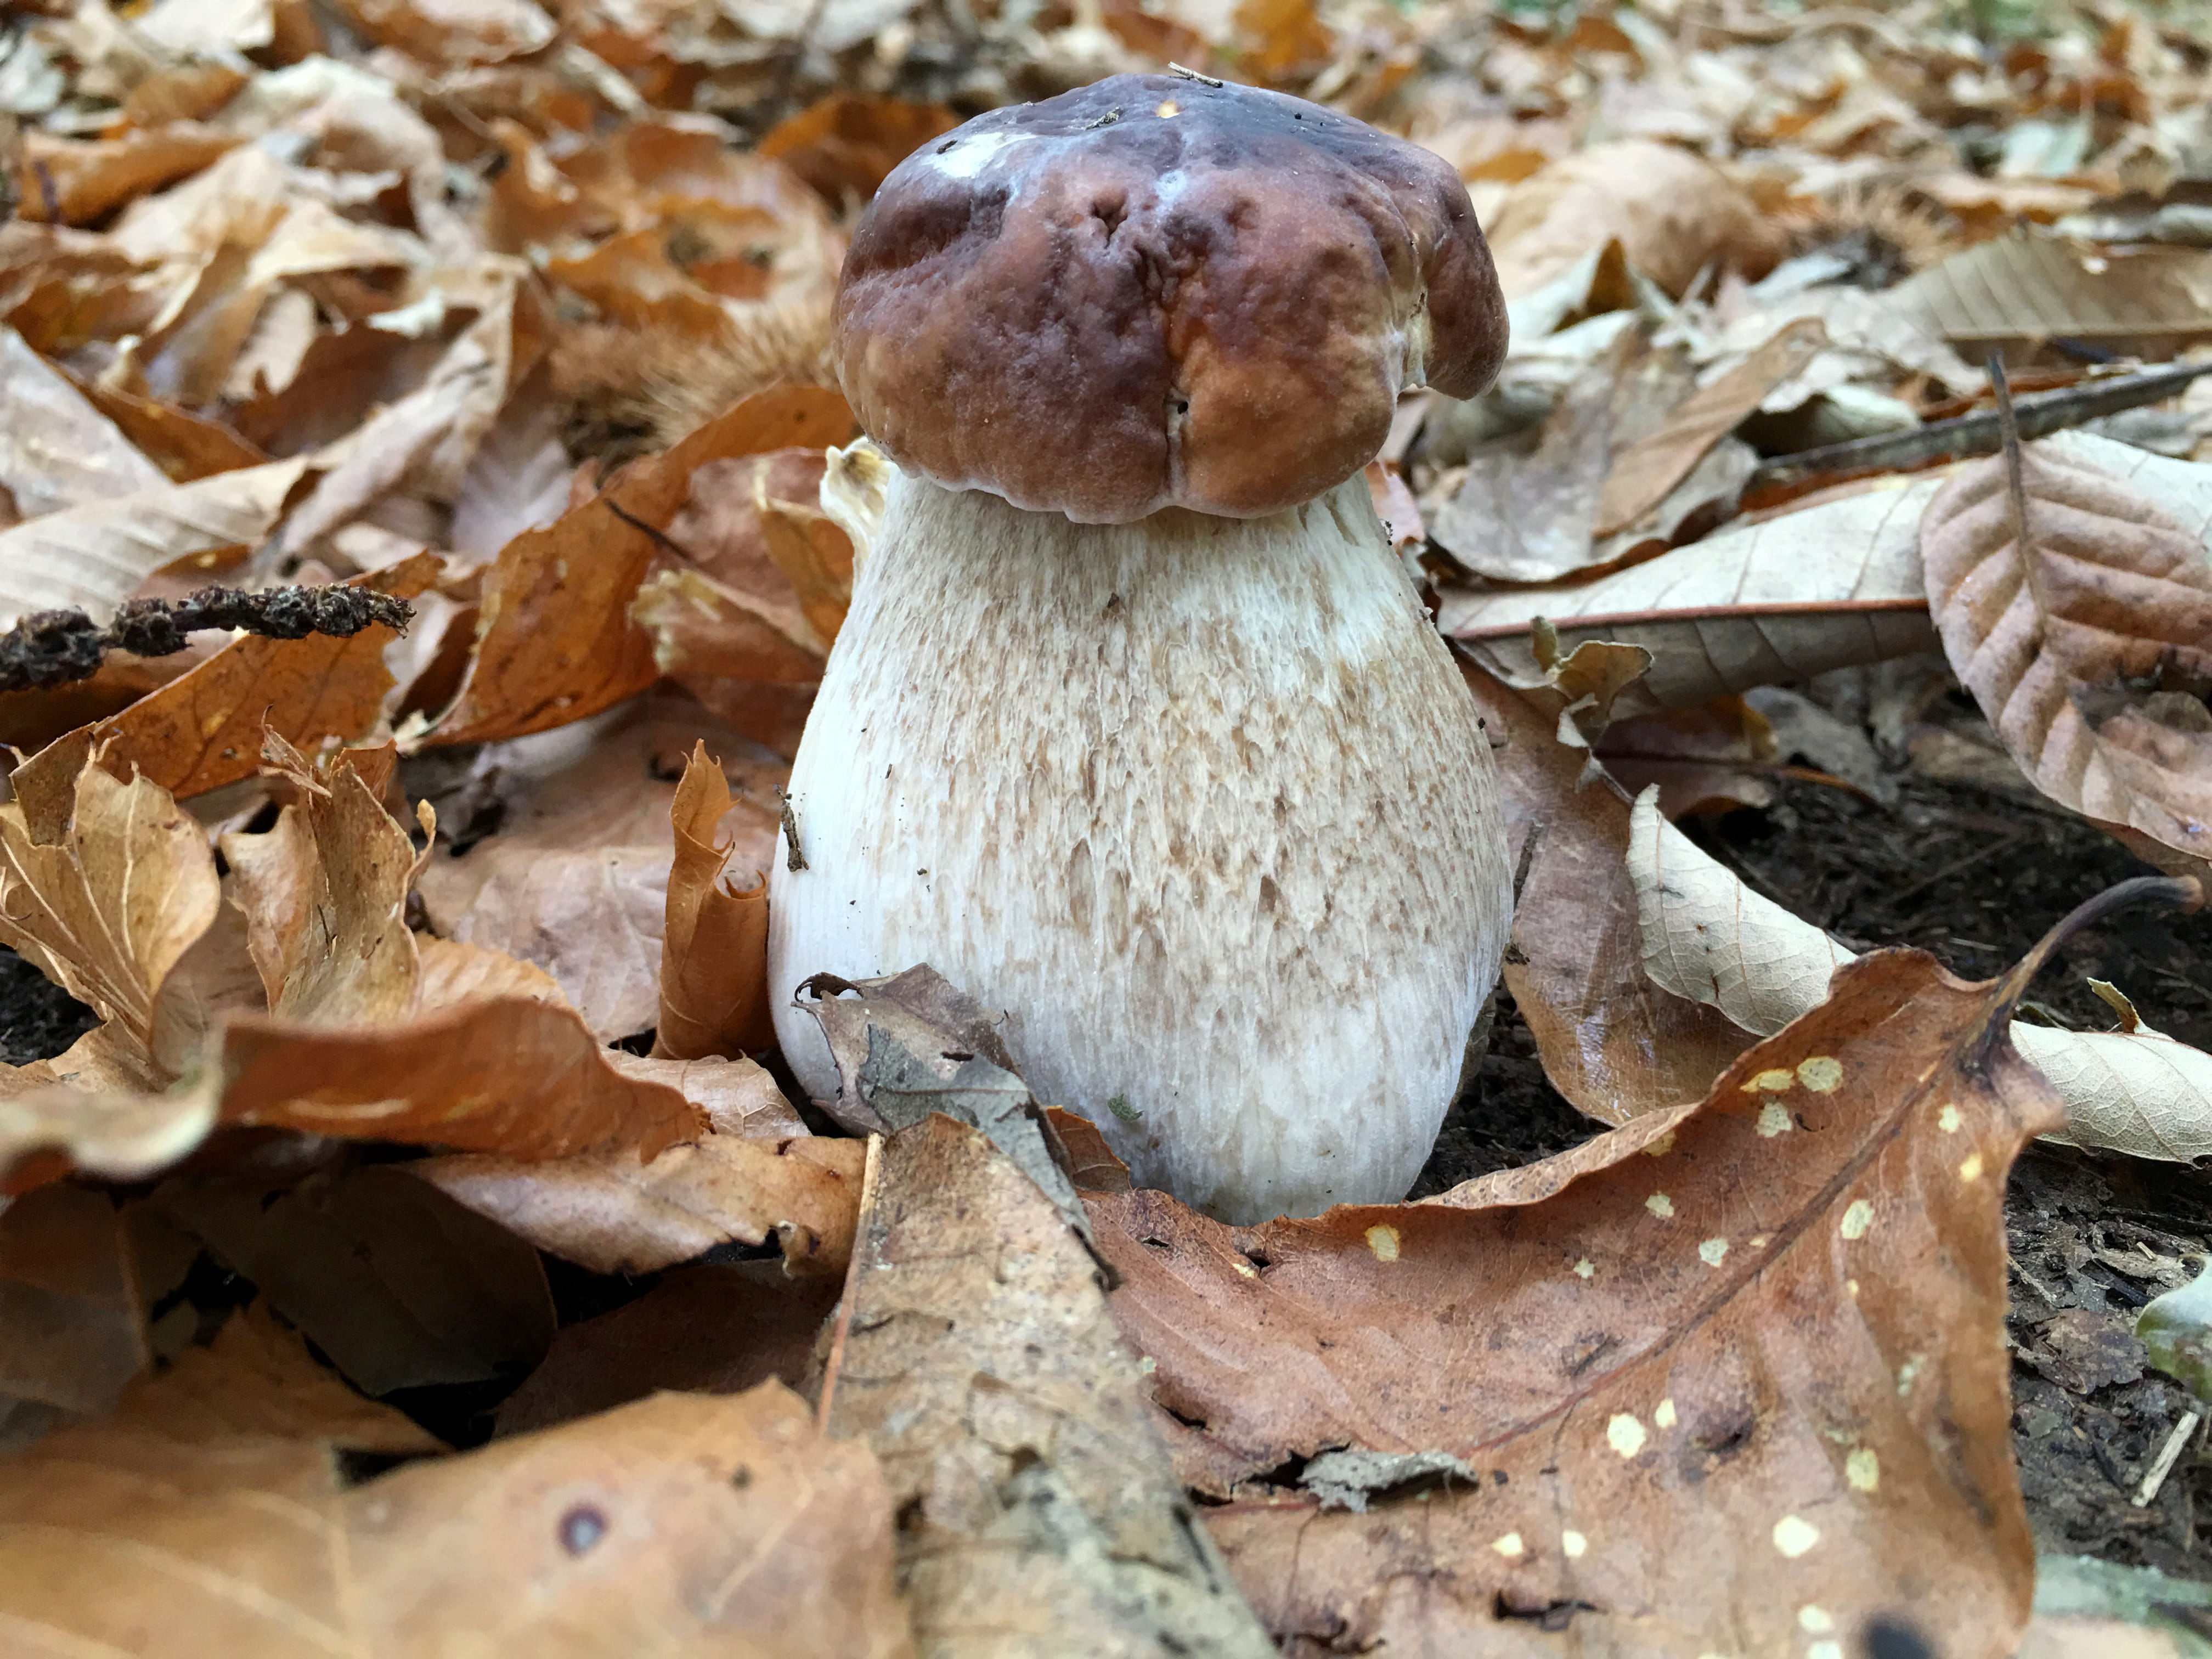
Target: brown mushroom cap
<point>1155,292</point>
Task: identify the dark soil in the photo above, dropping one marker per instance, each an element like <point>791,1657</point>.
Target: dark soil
<point>1976,877</point>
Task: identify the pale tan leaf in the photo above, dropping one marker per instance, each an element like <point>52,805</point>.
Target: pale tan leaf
<point>55,449</point>
<point>681,1527</point>
<point>1672,211</point>
<point>2066,642</point>
<point>1827,586</point>
<point>323,893</point>
<point>2035,285</point>
<point>93,556</point>
<point>1709,938</point>
<point>111,902</point>
<point>1641,474</point>
<point>613,1214</point>
<point>452,32</point>
<point>713,954</point>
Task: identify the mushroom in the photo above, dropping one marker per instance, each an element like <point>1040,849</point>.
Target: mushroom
<point>1136,729</point>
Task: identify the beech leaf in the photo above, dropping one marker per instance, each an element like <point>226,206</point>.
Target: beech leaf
<point>2068,595</point>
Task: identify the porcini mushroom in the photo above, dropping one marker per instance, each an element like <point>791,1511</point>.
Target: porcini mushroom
<point>1135,729</point>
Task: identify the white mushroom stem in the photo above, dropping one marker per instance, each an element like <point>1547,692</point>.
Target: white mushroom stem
<point>1202,803</point>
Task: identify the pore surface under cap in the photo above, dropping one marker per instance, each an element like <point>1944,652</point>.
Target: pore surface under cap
<point>1157,292</point>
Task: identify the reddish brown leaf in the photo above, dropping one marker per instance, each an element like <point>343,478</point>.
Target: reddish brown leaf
<point>556,642</point>
<point>713,954</point>
<point>1730,1375</point>
<point>844,144</point>
<point>1611,1041</point>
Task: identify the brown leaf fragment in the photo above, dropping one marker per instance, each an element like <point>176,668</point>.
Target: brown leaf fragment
<point>712,1328</point>
<point>184,445</point>
<point>1727,1363</point>
<point>107,901</point>
<point>257,1377</point>
<point>203,729</point>
<point>91,178</point>
<point>713,954</point>
<point>556,642</point>
<point>70,1321</point>
<point>976,1358</point>
<point>1644,472</point>
<point>2034,284</point>
<point>755,1175</point>
<point>508,1075</point>
<point>398,1284</point>
<point>323,893</point>
<point>844,144</point>
<point>682,1527</point>
<point>1611,1041</point>
<point>2077,607</point>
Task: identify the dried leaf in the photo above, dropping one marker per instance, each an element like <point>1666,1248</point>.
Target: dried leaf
<point>91,557</point>
<point>1614,1043</point>
<point>186,446</point>
<point>714,953</point>
<point>1827,587</point>
<point>1672,212</point>
<point>2034,285</point>
<point>975,1356</point>
<point>452,32</point>
<point>708,1329</point>
<point>1709,938</point>
<point>2066,603</point>
<point>71,1325</point>
<point>1772,1320</point>
<point>90,178</point>
<point>257,1378</point>
<point>681,1527</point>
<point>106,896</point>
<point>396,1283</point>
<point>844,144</point>
<point>55,449</point>
<point>1643,474</point>
<point>1531,518</point>
<point>556,643</point>
<point>1713,758</point>
<point>743,1183</point>
<point>204,729</point>
<point>576,880</point>
<point>519,1077</point>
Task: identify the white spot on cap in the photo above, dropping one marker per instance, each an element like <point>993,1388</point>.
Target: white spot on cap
<point>1510,1546</point>
<point>1815,1622</point>
<point>1971,1169</point>
<point>1624,1434</point>
<point>1661,1206</point>
<point>1573,1544</point>
<point>1664,1417</point>
<point>1167,107</point>
<point>1384,1241</point>
<point>1711,1251</point>
<point>1584,1268</point>
<point>964,158</point>
<point>1774,1120</point>
<point>1863,1469</point>
<point>1794,1535</point>
<point>1858,1216</point>
<point>1949,1120</point>
<point>1823,1073</point>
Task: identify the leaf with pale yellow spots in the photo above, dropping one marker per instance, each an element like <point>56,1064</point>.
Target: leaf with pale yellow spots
<point>1761,1333</point>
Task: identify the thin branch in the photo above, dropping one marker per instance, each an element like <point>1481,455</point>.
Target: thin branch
<point>53,648</point>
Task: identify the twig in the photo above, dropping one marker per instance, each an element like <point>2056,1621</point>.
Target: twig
<point>1982,432</point>
<point>53,648</point>
<point>2168,1454</point>
<point>1987,850</point>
